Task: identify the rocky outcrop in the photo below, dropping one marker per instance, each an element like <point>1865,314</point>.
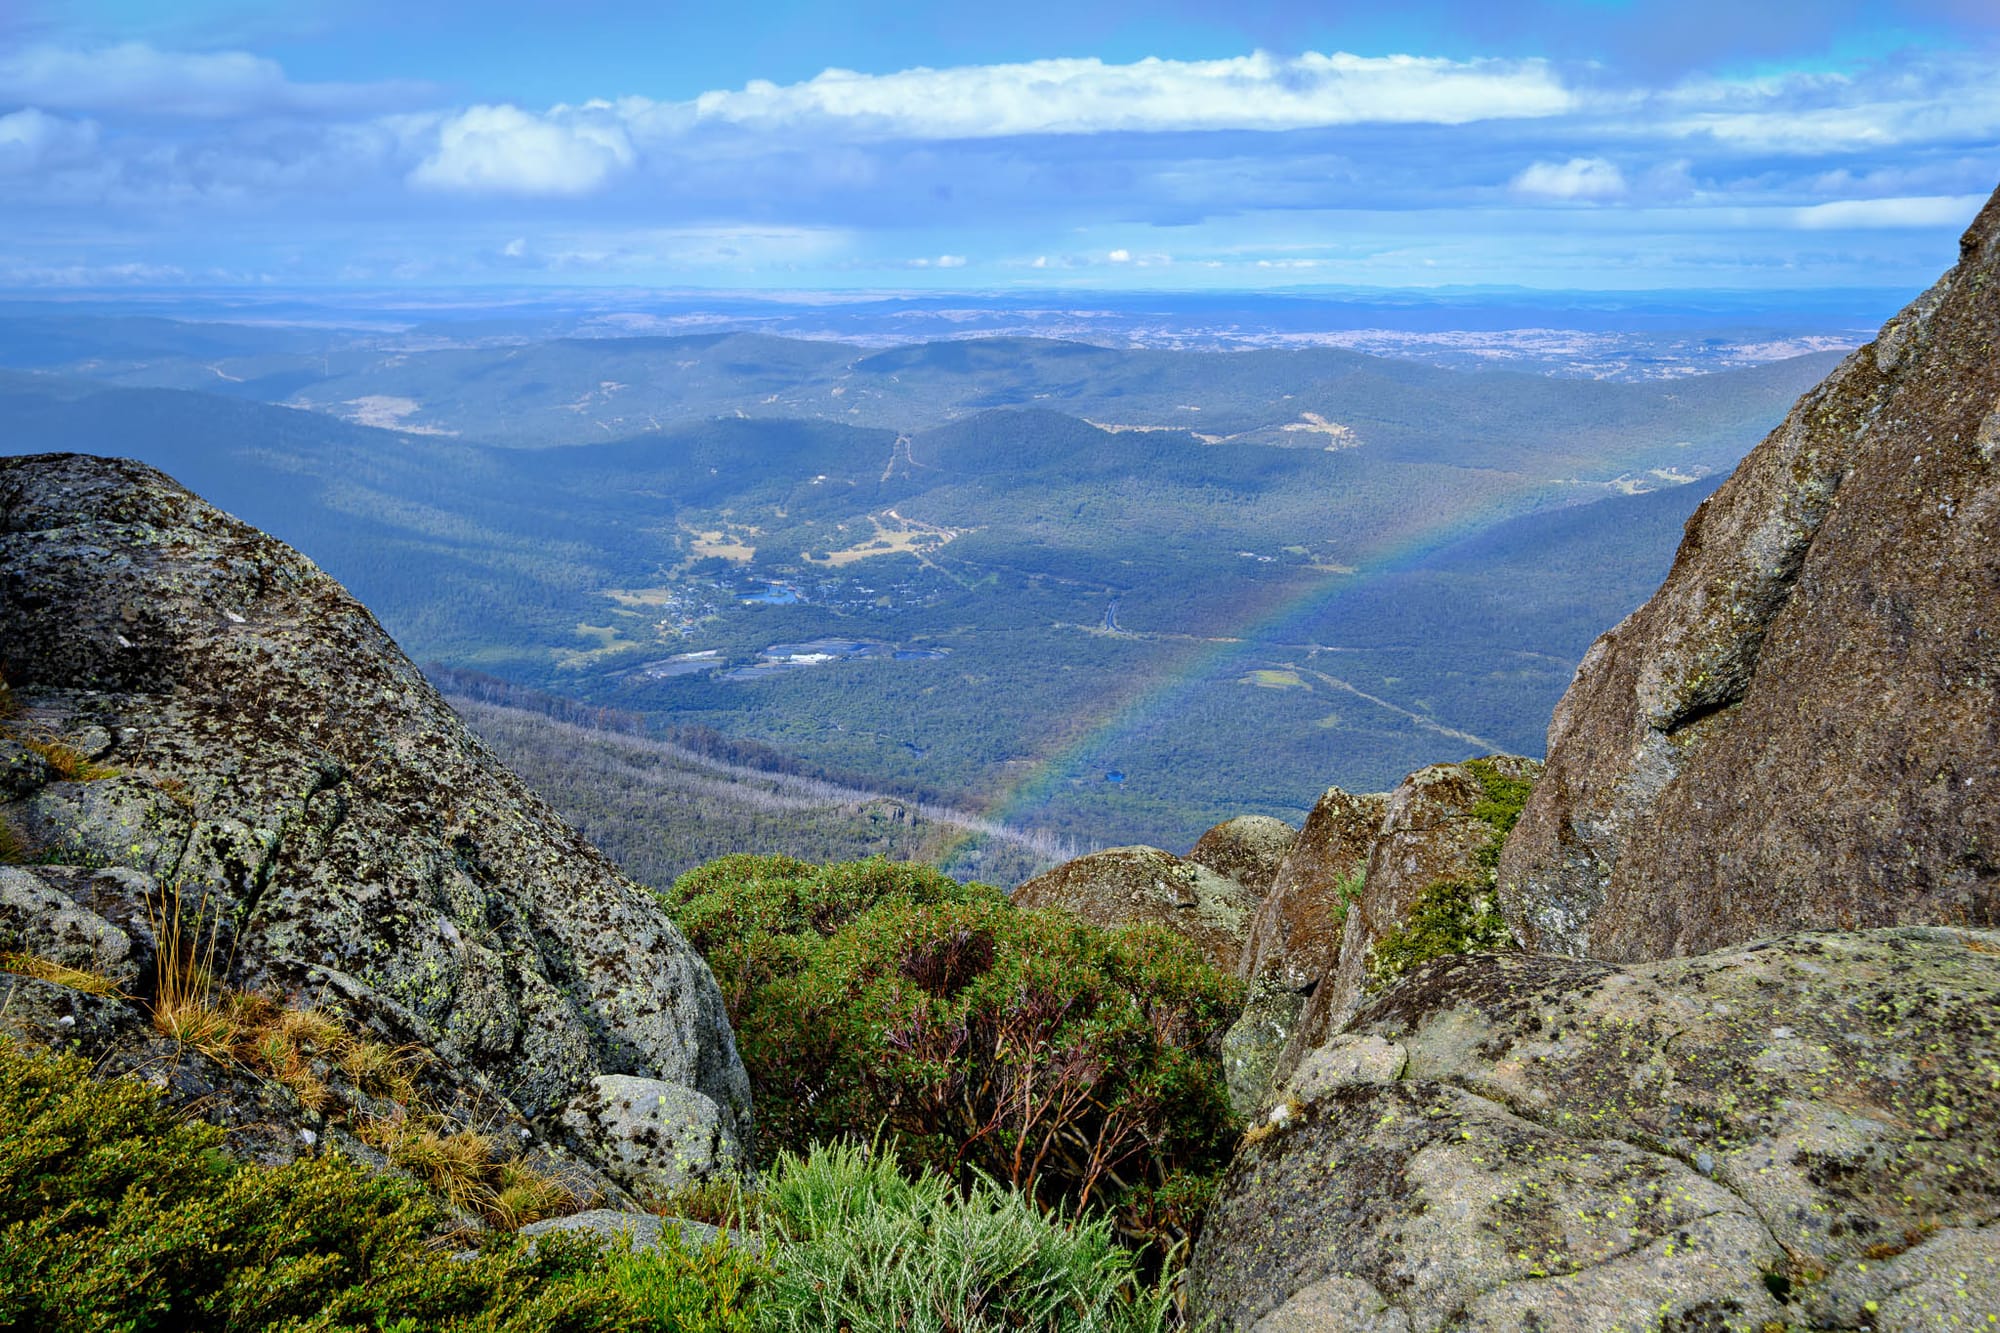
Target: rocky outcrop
<point>1249,849</point>
<point>233,733</point>
<point>1799,729</point>
<point>1795,1133</point>
<point>1295,936</point>
<point>1126,886</point>
<point>1442,824</point>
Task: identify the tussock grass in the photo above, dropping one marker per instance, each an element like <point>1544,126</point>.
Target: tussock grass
<point>187,1004</point>
<point>65,761</point>
<point>468,1170</point>
<point>863,1248</point>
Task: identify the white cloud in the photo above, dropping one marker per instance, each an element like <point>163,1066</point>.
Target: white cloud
<point>1088,96</point>
<point>505,150</point>
<point>1933,210</point>
<point>1578,178</point>
<point>1933,99</point>
<point>32,139</point>
<point>204,85</point>
<point>951,261</point>
<point>1120,256</point>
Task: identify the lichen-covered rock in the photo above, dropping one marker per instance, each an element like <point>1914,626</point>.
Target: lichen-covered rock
<point>1798,729</point>
<point>642,1231</point>
<point>1295,936</point>
<point>41,920</point>
<point>1441,824</point>
<point>1797,1132</point>
<point>653,1138</point>
<point>278,764</point>
<point>1126,886</point>
<point>1248,849</point>
<point>1253,1043</point>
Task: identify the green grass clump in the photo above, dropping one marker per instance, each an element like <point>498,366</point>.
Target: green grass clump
<point>1070,1062</point>
<point>861,1247</point>
<point>673,1286</point>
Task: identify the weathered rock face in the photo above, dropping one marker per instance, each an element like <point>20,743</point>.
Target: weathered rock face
<point>653,1138</point>
<point>1796,1133</point>
<point>1434,827</point>
<point>278,760</point>
<point>1802,727</point>
<point>1248,849</point>
<point>1125,886</point>
<point>1295,936</point>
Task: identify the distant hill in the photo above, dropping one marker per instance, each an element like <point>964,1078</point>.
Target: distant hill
<point>991,608</point>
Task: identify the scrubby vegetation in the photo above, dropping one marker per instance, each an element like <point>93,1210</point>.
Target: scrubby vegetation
<point>117,1214</point>
<point>1459,915</point>
<point>1078,1065</point>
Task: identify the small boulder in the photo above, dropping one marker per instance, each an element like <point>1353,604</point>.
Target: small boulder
<point>1253,1043</point>
<point>652,1137</point>
<point>1248,849</point>
<point>1129,886</point>
<point>642,1230</point>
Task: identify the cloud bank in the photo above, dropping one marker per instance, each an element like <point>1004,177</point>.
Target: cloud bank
<point>1253,168</point>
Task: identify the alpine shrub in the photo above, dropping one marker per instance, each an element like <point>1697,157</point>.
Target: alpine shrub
<point>1070,1062</point>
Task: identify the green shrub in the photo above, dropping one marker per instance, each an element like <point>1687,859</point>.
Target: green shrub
<point>116,1215</point>
<point>755,918</point>
<point>1459,915</point>
<point>1068,1061</point>
<point>1500,808</point>
<point>861,1247</point>
<point>1451,916</point>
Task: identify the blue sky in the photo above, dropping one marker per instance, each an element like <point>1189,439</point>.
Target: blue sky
<point>883,146</point>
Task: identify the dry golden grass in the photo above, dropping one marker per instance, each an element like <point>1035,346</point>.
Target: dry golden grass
<point>383,1071</point>
<point>297,1046</point>
<point>47,969</point>
<point>65,761</point>
<point>525,1195</point>
<point>177,791</point>
<point>467,1170</point>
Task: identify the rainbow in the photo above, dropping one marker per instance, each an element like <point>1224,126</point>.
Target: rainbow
<point>1279,620</point>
